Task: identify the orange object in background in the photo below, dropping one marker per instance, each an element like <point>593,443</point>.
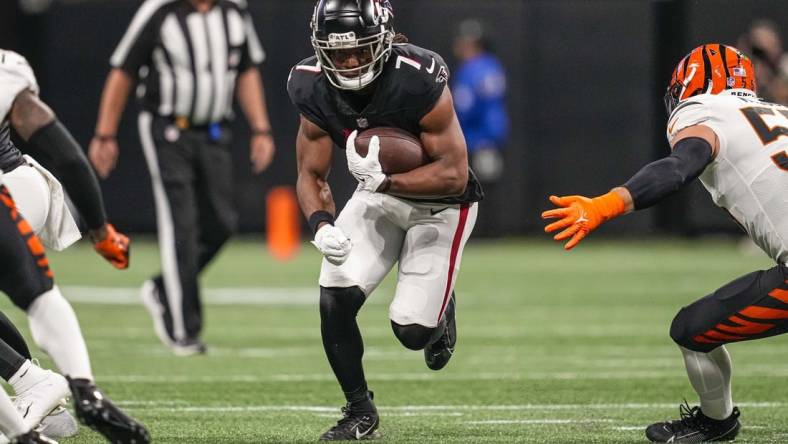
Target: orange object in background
<point>284,224</point>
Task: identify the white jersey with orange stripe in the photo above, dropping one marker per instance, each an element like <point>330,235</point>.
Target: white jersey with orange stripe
<point>749,175</point>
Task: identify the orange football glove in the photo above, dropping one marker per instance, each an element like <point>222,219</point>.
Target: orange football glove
<point>114,247</point>
<point>580,215</point>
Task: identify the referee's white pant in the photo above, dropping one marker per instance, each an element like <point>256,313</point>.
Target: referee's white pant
<point>191,174</point>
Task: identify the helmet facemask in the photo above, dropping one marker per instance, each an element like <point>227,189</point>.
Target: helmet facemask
<point>373,50</point>
<point>673,96</point>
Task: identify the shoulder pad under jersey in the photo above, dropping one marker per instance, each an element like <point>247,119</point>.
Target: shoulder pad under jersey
<point>16,76</point>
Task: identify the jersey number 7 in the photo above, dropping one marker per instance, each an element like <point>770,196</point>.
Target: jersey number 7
<point>766,134</point>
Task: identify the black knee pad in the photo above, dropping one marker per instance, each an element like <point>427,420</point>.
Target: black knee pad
<point>681,331</point>
<point>11,336</point>
<point>343,301</point>
<point>413,336</point>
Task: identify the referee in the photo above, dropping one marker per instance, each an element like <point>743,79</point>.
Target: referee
<point>189,57</point>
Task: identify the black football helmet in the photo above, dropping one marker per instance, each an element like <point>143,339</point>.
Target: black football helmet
<point>352,24</point>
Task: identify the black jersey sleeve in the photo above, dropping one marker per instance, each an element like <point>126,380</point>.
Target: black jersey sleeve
<point>301,89</point>
<point>421,77</point>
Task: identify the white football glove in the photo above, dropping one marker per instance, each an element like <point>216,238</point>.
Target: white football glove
<point>366,170</point>
<point>333,243</point>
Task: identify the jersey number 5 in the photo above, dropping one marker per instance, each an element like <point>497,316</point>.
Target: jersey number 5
<point>766,134</point>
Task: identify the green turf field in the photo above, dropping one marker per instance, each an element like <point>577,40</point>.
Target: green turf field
<point>553,347</point>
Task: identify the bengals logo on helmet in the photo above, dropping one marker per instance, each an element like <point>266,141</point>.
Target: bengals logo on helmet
<point>709,69</point>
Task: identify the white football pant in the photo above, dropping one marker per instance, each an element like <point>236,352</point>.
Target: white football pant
<point>426,238</point>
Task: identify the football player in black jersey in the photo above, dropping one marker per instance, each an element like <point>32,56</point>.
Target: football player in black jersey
<point>362,76</point>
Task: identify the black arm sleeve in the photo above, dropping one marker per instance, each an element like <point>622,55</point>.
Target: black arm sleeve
<point>664,177</point>
<point>73,170</point>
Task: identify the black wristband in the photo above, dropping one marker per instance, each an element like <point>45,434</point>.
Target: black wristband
<point>318,217</point>
<point>266,132</point>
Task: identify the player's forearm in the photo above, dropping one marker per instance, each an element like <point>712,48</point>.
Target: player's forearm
<point>314,195</point>
<point>436,179</point>
<point>113,101</point>
<point>39,127</point>
<point>251,98</point>
<point>73,170</point>
<point>663,177</point>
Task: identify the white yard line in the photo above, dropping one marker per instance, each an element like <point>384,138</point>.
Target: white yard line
<point>211,296</point>
<point>409,376</point>
<point>405,376</point>
<point>643,427</point>
<point>177,406</point>
<point>538,421</point>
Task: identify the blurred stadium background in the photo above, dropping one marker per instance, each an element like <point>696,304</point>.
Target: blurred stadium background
<point>586,79</point>
<point>553,347</point>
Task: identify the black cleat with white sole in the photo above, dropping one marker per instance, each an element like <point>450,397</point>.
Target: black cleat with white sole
<point>437,354</point>
<point>359,421</point>
<point>96,411</point>
<point>695,427</point>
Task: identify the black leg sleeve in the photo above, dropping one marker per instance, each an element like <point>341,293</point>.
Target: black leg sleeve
<point>12,337</point>
<point>342,338</point>
<point>10,361</point>
<point>663,177</point>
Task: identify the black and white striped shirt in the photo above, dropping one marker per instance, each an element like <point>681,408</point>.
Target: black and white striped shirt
<point>188,61</point>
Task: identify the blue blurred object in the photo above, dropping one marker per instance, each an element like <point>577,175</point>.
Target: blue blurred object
<point>479,90</point>
<point>215,131</point>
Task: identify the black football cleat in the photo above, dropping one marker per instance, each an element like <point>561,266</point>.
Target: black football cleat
<point>437,354</point>
<point>32,437</point>
<point>99,413</point>
<point>694,427</point>
<point>359,421</point>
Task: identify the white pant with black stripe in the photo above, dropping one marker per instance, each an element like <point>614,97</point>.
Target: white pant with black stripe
<point>426,238</point>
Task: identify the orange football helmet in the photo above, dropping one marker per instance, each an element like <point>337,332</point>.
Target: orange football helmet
<point>709,69</point>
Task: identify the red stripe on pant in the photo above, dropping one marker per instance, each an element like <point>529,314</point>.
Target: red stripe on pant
<point>455,249</point>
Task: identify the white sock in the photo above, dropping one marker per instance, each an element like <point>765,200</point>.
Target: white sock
<point>710,376</point>
<point>27,375</point>
<point>11,422</point>
<point>56,330</point>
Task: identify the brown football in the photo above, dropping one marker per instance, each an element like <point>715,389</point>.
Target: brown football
<point>400,151</point>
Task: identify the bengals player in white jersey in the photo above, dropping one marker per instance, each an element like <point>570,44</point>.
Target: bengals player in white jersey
<point>737,144</point>
<point>33,213</point>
